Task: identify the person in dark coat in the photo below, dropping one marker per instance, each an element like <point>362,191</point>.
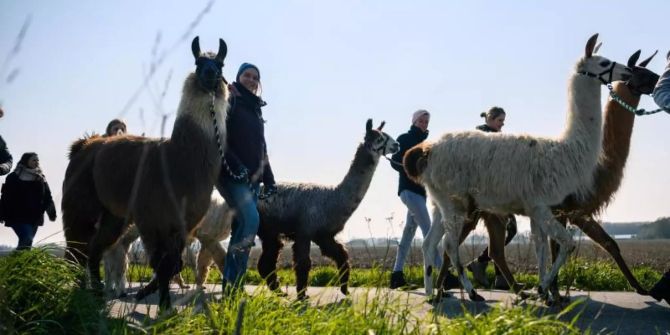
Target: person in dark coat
<point>494,121</point>
<point>25,198</point>
<point>245,166</point>
<point>5,156</point>
<point>412,195</point>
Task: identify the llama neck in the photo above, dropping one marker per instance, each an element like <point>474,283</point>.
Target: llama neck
<point>194,142</point>
<point>584,112</point>
<point>617,131</point>
<point>355,184</point>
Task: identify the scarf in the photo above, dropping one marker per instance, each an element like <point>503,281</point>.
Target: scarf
<point>27,174</point>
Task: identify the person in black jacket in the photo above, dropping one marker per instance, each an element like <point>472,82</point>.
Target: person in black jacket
<point>412,195</point>
<point>245,166</point>
<point>25,198</point>
<point>494,121</point>
<point>5,156</point>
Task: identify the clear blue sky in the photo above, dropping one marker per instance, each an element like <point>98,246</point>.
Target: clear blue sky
<point>327,66</point>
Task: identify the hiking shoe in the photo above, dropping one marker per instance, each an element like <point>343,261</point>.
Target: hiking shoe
<point>478,270</point>
<point>661,289</point>
<point>450,281</point>
<point>397,280</point>
<point>500,283</point>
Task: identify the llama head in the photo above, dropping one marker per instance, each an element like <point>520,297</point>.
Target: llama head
<point>599,67</point>
<point>642,80</point>
<point>209,65</point>
<point>378,142</point>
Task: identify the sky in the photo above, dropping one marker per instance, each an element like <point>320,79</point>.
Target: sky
<point>326,67</point>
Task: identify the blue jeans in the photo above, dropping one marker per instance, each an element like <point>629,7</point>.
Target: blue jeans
<point>243,200</point>
<point>26,232</point>
<point>417,215</point>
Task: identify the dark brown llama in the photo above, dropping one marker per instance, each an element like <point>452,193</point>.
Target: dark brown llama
<point>161,185</point>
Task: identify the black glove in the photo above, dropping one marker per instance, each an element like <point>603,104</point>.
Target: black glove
<point>267,191</point>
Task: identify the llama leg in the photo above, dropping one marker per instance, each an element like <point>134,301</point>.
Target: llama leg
<point>540,243</point>
<point>111,228</point>
<point>496,229</point>
<point>303,264</point>
<point>470,225</point>
<point>544,218</point>
<point>202,267</point>
<point>429,249</point>
<point>168,267</point>
<point>595,231</point>
<point>454,227</point>
<point>267,262</point>
<point>336,251</point>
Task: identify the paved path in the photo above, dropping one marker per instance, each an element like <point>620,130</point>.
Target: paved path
<point>618,312</point>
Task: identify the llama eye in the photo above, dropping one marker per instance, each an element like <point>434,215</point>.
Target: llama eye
<point>605,63</point>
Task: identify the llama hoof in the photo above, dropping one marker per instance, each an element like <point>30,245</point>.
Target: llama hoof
<point>141,294</point>
<point>344,291</point>
<point>97,285</point>
<point>475,297</point>
<point>518,288</point>
<point>642,291</point>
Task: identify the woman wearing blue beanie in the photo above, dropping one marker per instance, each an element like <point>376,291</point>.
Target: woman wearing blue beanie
<point>246,165</point>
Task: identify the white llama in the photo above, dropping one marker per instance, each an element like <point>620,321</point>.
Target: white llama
<point>504,173</point>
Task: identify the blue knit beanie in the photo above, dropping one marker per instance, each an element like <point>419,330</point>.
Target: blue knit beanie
<point>245,66</point>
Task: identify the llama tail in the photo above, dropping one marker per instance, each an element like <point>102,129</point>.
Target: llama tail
<point>415,161</point>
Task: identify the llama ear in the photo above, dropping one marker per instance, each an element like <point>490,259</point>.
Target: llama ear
<point>646,61</point>
<point>590,45</point>
<point>633,59</point>
<point>223,50</point>
<point>381,125</point>
<point>595,50</point>
<point>668,56</point>
<point>368,125</point>
<point>195,47</point>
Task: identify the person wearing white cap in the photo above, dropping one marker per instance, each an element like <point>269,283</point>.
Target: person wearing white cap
<point>412,195</point>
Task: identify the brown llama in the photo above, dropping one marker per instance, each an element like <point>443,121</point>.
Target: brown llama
<point>163,186</point>
<point>617,131</point>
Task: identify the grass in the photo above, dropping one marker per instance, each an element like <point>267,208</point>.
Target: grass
<point>39,295</point>
<point>581,274</point>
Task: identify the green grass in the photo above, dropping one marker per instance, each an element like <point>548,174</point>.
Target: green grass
<point>265,313</point>
<point>39,295</point>
<point>580,273</point>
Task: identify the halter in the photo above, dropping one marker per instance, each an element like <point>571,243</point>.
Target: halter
<point>630,108</point>
<point>609,72</point>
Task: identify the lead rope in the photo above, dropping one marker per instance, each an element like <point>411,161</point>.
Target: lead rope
<point>219,146</point>
<point>630,108</point>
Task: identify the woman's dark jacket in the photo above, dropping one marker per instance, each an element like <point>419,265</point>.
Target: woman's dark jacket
<point>485,128</point>
<point>407,140</point>
<point>245,147</point>
<point>5,158</point>
<point>25,201</point>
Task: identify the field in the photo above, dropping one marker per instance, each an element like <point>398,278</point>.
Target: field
<point>520,256</point>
